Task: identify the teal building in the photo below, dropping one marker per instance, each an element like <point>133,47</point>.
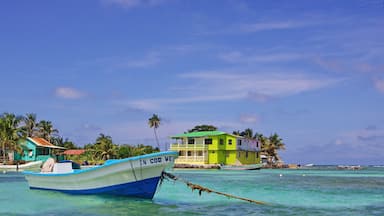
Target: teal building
<point>36,149</point>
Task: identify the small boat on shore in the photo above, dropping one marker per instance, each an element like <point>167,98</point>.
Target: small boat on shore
<point>136,176</point>
<point>349,167</point>
<point>241,167</point>
<point>35,165</point>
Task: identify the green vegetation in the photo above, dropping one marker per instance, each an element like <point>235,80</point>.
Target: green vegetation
<point>10,133</point>
<point>202,128</point>
<point>14,129</point>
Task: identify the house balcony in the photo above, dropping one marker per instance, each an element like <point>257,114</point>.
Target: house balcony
<point>185,147</point>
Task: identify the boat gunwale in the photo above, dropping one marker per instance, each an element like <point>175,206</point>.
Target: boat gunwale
<point>110,163</point>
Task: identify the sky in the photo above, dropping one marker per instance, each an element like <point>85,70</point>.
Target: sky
<point>310,71</point>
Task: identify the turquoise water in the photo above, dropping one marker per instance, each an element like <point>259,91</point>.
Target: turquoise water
<point>315,191</point>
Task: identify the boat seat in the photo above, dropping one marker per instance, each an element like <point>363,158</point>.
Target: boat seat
<point>48,165</point>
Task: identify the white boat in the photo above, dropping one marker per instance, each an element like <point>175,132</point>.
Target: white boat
<point>136,176</point>
<point>35,165</point>
<point>349,167</point>
<point>241,167</point>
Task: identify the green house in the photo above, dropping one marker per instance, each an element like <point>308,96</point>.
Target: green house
<point>35,149</point>
<point>215,147</point>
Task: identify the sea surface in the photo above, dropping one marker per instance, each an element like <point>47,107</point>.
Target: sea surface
<point>322,190</point>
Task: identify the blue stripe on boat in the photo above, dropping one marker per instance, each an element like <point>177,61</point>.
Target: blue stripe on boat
<point>142,189</point>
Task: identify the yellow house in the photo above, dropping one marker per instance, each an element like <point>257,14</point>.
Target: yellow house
<point>215,147</point>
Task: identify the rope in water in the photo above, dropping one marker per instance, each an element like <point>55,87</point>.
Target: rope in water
<point>204,189</point>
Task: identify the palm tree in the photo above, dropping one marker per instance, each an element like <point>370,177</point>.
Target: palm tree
<point>248,134</point>
<point>104,147</point>
<point>30,125</point>
<point>237,133</point>
<point>278,144</point>
<point>46,130</point>
<point>270,147</point>
<point>154,122</point>
<point>10,133</point>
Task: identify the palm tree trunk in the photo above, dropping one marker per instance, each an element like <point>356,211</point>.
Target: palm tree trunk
<point>157,139</point>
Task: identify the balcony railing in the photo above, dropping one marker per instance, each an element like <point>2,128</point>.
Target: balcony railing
<point>192,159</point>
<point>176,147</point>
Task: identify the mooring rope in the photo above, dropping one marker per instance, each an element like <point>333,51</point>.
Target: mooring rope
<point>204,189</point>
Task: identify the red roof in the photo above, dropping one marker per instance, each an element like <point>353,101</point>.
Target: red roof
<point>43,143</point>
<point>74,151</point>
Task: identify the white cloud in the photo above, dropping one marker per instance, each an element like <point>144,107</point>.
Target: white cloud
<point>155,104</point>
<point>68,93</point>
<point>148,60</point>
<point>133,3</point>
<point>239,57</point>
<point>208,86</point>
<point>248,118</point>
<point>274,25</point>
<point>379,84</point>
<point>270,84</point>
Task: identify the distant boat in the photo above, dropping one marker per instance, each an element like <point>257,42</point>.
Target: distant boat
<point>241,167</point>
<point>309,165</point>
<point>35,165</point>
<point>348,167</point>
<point>136,176</point>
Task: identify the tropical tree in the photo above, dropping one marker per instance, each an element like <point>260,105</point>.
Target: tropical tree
<point>125,151</point>
<point>104,148</point>
<point>270,147</point>
<point>30,125</point>
<point>278,144</point>
<point>10,133</point>
<point>154,122</point>
<point>236,133</point>
<point>248,134</point>
<point>46,130</point>
<point>203,128</point>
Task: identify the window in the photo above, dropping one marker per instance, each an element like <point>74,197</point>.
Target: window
<point>246,154</point>
<point>239,142</point>
<point>199,153</point>
<point>221,142</point>
<point>189,153</point>
<point>43,151</point>
<point>208,141</point>
<point>230,142</point>
<point>191,141</point>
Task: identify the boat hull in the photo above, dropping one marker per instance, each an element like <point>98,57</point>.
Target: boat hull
<point>135,177</point>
